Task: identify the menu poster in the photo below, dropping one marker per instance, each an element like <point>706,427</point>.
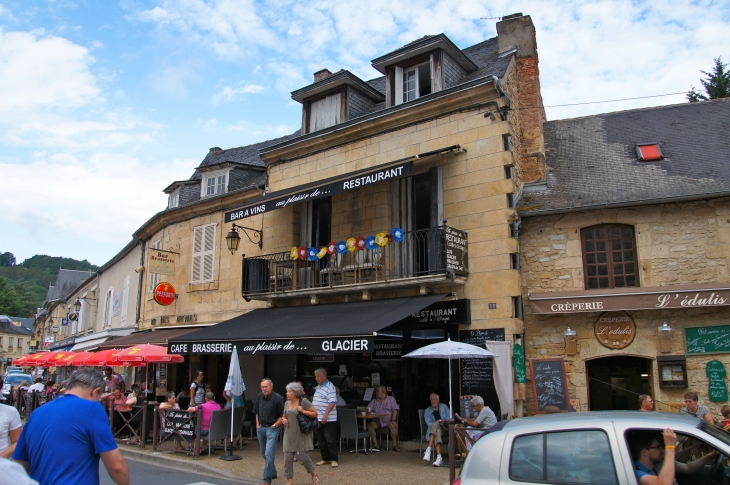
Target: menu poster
<point>368,394</point>
<point>477,375</point>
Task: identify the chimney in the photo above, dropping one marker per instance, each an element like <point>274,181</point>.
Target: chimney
<point>321,75</point>
<point>517,32</point>
<point>215,149</point>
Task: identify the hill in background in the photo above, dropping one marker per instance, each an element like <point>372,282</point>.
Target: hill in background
<point>23,287</point>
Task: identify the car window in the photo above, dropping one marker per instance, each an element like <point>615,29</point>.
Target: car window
<point>17,378</point>
<point>582,456</point>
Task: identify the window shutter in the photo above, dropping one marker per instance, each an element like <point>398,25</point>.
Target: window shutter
<point>197,256</point>
<point>398,85</point>
<point>125,300</point>
<point>203,253</point>
<point>433,88</point>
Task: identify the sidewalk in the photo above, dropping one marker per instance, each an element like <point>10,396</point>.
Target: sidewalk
<point>405,467</point>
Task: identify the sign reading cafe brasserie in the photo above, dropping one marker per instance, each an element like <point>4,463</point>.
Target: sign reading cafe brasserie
<point>332,345</point>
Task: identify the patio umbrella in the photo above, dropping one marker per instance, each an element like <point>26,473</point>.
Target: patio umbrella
<point>76,361</point>
<point>451,350</point>
<point>19,361</point>
<point>31,359</point>
<point>102,358</point>
<point>64,361</point>
<point>234,387</point>
<point>149,354</point>
<point>50,358</point>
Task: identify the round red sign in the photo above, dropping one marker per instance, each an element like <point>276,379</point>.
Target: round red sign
<point>164,294</point>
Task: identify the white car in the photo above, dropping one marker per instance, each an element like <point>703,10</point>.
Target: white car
<point>12,369</point>
<point>588,447</point>
<point>12,380</point>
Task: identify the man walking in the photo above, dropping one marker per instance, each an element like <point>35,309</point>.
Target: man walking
<point>63,440</point>
<point>269,409</point>
<point>325,402</point>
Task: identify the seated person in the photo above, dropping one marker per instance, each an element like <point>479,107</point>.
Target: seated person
<point>436,417</point>
<point>384,404</point>
<point>654,457</point>
<point>207,409</point>
<point>340,401</point>
<point>725,411</point>
<point>120,411</point>
<point>170,402</point>
<point>485,417</point>
<point>37,385</point>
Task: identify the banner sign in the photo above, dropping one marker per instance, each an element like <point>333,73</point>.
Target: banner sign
<point>387,349</point>
<point>272,202</point>
<point>441,312</point>
<point>322,345</point>
<point>161,262</point>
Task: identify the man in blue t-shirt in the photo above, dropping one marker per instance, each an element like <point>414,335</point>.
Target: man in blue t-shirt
<point>62,441</point>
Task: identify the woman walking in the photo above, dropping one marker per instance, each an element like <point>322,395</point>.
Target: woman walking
<point>296,442</point>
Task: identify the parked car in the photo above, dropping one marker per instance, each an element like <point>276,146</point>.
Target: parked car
<point>12,369</point>
<point>11,381</point>
<point>589,447</point>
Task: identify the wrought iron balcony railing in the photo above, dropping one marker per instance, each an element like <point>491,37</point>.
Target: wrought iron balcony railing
<point>426,252</point>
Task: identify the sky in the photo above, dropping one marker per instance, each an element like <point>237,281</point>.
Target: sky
<point>104,103</point>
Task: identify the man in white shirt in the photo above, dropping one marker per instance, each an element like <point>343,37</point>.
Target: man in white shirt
<point>10,428</point>
<point>37,385</point>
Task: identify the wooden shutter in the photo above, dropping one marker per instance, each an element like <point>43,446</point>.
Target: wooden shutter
<point>203,253</point>
<point>325,112</point>
<point>125,300</point>
<point>398,85</point>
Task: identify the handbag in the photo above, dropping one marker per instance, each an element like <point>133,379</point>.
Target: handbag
<point>307,424</point>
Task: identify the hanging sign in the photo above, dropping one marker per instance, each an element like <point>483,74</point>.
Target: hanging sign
<point>73,317</point>
<point>518,354</point>
<point>615,330</point>
<point>161,262</point>
<point>164,294</point>
<point>456,251</point>
<point>718,389</point>
<point>272,202</point>
<point>64,322</point>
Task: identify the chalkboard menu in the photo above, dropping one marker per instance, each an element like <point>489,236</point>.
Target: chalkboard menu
<point>549,385</point>
<point>179,423</point>
<point>456,252</point>
<point>477,377</point>
<point>708,340</point>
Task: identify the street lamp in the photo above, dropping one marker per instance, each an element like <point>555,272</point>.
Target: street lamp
<point>77,303</point>
<point>571,346</point>
<point>233,239</point>
<point>665,343</point>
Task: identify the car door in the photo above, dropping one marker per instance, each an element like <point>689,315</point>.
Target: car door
<point>587,456</point>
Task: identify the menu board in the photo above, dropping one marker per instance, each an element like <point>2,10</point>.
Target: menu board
<point>456,252</point>
<point>549,384</point>
<point>180,424</point>
<point>477,377</point>
<point>708,340</point>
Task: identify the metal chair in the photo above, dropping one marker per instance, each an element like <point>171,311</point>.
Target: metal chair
<point>220,428</point>
<point>386,431</point>
<point>349,429</point>
<point>238,414</point>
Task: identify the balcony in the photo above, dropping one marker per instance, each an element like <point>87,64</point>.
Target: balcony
<point>427,258</point>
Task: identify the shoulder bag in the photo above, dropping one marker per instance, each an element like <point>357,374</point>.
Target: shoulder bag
<point>307,424</point>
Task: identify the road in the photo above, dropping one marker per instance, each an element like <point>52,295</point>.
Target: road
<point>147,474</point>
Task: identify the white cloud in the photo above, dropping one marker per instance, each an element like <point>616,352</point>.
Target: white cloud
<point>255,131</point>
<point>172,81</point>
<point>104,197</point>
<point>39,71</point>
<point>229,93</point>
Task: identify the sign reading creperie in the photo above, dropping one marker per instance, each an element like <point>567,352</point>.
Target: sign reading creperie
<point>657,298</point>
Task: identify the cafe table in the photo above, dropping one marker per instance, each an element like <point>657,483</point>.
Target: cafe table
<point>365,417</point>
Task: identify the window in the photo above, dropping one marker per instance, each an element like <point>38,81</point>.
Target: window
<point>649,152</point>
<point>174,199</point>
<point>20,343</point>
<point>203,253</point>
<point>106,319</point>
<point>609,256</point>
<point>1,341</point>
<point>214,183</point>
<point>125,300</point>
<point>154,277</point>
<point>413,82</point>
<point>324,112</point>
<point>569,456</point>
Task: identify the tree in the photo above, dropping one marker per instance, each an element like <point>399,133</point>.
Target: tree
<point>9,302</point>
<point>7,259</point>
<point>716,84</point>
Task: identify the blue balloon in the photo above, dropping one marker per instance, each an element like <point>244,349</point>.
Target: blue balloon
<point>341,247</point>
<point>370,243</point>
<point>398,234</point>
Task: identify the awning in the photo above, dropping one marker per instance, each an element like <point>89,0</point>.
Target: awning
<point>647,298</point>
<point>89,345</point>
<point>335,328</point>
<point>154,337</point>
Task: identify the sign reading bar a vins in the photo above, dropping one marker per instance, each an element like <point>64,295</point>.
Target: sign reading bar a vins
<point>272,202</point>
<point>456,252</point>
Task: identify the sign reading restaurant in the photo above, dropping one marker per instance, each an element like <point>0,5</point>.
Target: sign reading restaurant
<point>655,298</point>
<point>330,345</point>
<point>273,202</point>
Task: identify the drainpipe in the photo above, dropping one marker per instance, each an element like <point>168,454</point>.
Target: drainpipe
<point>141,280</point>
<point>98,298</point>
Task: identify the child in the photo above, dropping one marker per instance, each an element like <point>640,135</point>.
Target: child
<point>725,410</point>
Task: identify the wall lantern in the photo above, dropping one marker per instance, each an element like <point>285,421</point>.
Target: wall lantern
<point>233,239</point>
<point>571,345</point>
<point>665,344</point>
<point>77,303</point>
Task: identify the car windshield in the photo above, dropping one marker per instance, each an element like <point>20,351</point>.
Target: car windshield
<point>715,431</point>
<point>17,378</point>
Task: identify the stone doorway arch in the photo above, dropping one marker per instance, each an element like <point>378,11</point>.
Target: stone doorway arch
<point>615,382</point>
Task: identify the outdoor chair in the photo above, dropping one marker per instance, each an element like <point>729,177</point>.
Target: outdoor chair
<point>238,414</point>
<point>281,274</point>
<point>332,272</point>
<point>250,419</point>
<point>386,432</point>
<point>349,429</point>
<point>424,429</point>
<point>220,428</point>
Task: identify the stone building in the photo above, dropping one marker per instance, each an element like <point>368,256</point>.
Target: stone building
<point>15,340</point>
<point>624,255</point>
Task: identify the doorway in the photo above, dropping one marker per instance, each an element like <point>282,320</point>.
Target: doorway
<point>615,383</point>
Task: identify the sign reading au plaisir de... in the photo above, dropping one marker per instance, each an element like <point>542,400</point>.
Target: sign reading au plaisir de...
<point>330,345</point>
<point>273,202</point>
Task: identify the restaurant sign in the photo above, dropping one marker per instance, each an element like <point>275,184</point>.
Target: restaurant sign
<point>449,311</point>
<point>456,252</point>
<point>272,202</point>
<point>387,349</point>
<point>328,345</point>
<point>615,330</point>
<point>161,262</point>
<point>633,299</point>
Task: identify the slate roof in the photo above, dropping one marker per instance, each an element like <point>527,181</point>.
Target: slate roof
<point>7,326</point>
<point>66,282</point>
<point>592,161</point>
<point>246,155</point>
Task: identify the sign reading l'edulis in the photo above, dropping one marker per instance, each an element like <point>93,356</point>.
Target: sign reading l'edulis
<point>615,330</point>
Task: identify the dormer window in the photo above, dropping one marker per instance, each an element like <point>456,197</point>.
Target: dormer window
<point>417,81</point>
<point>214,183</point>
<point>173,199</point>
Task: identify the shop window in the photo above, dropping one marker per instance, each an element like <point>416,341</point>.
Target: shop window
<point>609,256</point>
<point>672,371</point>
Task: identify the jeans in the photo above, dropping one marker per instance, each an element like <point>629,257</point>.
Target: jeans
<point>268,439</point>
<point>327,436</point>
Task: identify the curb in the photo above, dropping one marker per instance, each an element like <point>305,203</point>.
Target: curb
<point>158,458</point>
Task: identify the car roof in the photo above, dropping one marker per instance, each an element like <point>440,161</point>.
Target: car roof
<point>653,419</point>
<point>22,376</point>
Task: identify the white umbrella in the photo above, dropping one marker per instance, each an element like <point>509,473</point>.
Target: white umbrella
<point>451,350</point>
<point>234,387</point>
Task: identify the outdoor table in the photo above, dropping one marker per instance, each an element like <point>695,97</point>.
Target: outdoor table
<point>365,418</point>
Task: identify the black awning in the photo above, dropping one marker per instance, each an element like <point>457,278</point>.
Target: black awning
<point>335,328</point>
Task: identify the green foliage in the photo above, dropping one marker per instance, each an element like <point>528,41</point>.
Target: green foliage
<point>27,283</point>
<point>9,302</point>
<point>716,84</point>
<point>7,259</point>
